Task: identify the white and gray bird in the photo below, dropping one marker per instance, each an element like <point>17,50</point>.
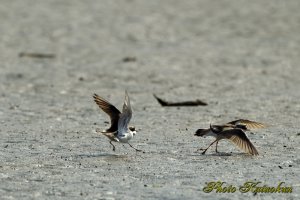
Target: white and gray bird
<point>118,130</point>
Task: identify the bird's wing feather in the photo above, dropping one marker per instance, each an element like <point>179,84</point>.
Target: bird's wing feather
<point>125,116</point>
<point>238,137</point>
<point>249,124</point>
<point>109,109</point>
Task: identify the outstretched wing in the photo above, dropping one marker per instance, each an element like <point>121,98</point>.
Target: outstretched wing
<point>238,137</point>
<point>125,116</point>
<point>247,123</point>
<point>109,109</point>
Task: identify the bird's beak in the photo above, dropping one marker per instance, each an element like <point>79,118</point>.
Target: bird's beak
<point>199,132</point>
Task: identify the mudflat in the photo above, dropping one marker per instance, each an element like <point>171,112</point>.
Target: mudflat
<point>240,57</point>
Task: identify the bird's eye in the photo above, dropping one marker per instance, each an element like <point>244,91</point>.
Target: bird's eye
<point>132,128</point>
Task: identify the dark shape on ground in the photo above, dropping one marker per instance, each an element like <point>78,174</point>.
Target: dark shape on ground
<point>197,102</point>
<point>129,59</point>
<point>36,55</point>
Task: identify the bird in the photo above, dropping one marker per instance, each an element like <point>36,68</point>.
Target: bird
<point>234,131</point>
<point>119,131</point>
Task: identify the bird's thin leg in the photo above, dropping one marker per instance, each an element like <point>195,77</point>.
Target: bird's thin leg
<point>217,147</point>
<point>202,149</point>
<point>134,148</point>
<point>209,146</point>
<point>114,148</point>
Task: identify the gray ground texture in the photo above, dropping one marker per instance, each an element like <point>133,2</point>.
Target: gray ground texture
<point>241,57</point>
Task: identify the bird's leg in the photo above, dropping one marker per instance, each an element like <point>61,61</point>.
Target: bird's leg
<point>217,147</point>
<point>114,148</point>
<point>209,146</point>
<point>202,149</point>
<point>134,148</point>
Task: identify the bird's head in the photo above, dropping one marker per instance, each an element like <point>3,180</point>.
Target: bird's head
<point>215,129</point>
<point>132,130</point>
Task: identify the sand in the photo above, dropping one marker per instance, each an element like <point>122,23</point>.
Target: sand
<point>241,57</point>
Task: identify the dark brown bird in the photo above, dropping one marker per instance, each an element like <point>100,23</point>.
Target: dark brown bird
<point>234,131</point>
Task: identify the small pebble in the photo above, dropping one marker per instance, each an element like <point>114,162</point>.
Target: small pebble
<point>129,59</point>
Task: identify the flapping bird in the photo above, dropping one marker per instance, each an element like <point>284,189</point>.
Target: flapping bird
<point>233,131</point>
<point>118,130</point>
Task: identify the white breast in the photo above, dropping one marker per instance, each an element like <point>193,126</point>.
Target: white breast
<point>210,133</point>
<point>125,137</point>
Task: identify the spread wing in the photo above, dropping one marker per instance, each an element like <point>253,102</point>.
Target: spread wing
<point>247,123</point>
<point>109,109</point>
<point>125,116</point>
<point>238,137</point>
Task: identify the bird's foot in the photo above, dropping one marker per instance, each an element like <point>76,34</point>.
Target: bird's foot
<point>201,149</point>
<point>138,150</point>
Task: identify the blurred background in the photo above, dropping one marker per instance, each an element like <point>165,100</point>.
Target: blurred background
<point>241,57</point>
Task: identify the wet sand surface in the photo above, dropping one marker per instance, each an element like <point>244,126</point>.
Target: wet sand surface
<point>241,57</point>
